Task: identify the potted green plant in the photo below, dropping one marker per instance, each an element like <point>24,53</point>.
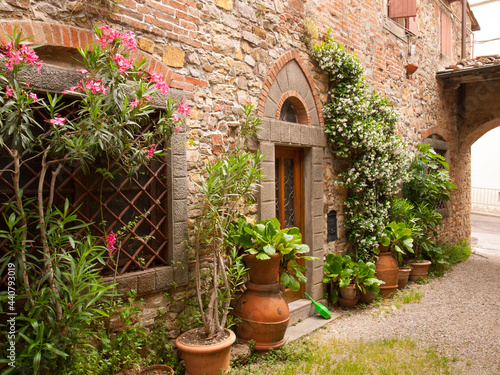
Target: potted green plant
<point>428,185</point>
<point>270,253</point>
<point>227,188</point>
<point>349,278</point>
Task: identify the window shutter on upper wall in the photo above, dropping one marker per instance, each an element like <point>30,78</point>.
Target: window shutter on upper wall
<point>402,8</point>
<point>445,34</point>
<point>412,25</point>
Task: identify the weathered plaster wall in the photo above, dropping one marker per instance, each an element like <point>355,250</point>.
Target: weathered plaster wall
<point>219,53</point>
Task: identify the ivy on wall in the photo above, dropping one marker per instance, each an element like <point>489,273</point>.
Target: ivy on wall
<point>361,127</point>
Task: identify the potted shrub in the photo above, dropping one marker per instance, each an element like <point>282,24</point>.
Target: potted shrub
<point>349,278</point>
<point>427,187</point>
<point>226,189</point>
<point>270,252</point>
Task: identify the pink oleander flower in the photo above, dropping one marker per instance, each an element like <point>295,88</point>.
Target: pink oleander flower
<point>57,121</point>
<point>95,86</point>
<point>82,71</point>
<point>134,104</point>
<point>8,91</point>
<point>128,39</point>
<point>176,119</point>
<point>151,151</point>
<point>123,63</point>
<point>69,305</point>
<point>177,129</point>
<point>29,54</point>
<point>39,65</point>
<point>9,46</point>
<point>157,79</point>
<point>184,108</point>
<point>104,28</point>
<point>33,96</point>
<point>110,242</point>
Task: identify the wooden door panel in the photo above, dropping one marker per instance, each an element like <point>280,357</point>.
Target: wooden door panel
<point>289,196</point>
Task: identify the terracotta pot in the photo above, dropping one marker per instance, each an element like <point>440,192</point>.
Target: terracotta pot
<point>404,273</point>
<point>387,270</point>
<point>160,369</point>
<point>367,297</point>
<point>264,316</point>
<point>419,270</point>
<point>206,359</point>
<point>349,292</point>
<point>263,271</point>
<point>347,302</point>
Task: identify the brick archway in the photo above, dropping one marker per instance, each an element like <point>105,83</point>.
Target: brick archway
<point>299,105</point>
<point>299,80</point>
<point>68,36</point>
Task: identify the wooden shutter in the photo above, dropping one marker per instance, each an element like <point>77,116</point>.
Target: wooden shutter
<point>412,24</point>
<point>445,34</point>
<point>402,8</point>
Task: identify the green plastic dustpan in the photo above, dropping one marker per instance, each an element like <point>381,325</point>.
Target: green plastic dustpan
<point>323,311</point>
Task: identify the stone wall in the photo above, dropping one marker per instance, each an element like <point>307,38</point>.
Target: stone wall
<point>219,53</point>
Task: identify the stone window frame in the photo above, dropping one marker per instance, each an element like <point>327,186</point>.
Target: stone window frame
<point>55,79</point>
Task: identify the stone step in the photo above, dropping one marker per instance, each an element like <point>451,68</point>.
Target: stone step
<point>301,310</point>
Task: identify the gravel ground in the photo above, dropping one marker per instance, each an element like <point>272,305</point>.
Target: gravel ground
<point>459,314</point>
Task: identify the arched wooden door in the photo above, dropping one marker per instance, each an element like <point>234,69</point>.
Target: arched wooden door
<point>289,175</point>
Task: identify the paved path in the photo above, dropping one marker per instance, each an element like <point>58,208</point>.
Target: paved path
<point>485,233</point>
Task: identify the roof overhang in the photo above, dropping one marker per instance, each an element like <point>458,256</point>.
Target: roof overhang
<point>453,78</point>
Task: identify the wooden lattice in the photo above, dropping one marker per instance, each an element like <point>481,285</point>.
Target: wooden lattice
<point>142,199</point>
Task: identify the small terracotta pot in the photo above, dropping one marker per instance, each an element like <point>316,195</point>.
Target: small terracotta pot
<point>347,302</point>
<point>207,359</point>
<point>404,273</point>
<point>420,269</point>
<point>263,271</point>
<point>367,297</point>
<point>349,292</point>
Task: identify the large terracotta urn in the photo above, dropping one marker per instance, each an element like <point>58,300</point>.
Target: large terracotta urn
<point>262,310</point>
<point>387,270</point>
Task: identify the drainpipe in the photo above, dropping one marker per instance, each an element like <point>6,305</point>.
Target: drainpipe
<point>464,29</point>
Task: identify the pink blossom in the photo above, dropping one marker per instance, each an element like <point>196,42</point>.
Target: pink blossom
<point>69,305</point>
<point>29,54</point>
<point>123,63</point>
<point>129,40</point>
<point>177,129</point>
<point>156,77</point>
<point>176,118</point>
<point>39,65</point>
<point>16,57</point>
<point>58,121</point>
<point>134,104</point>
<point>8,91</point>
<point>33,96</point>
<point>151,151</point>
<point>95,86</point>
<point>82,71</point>
<point>110,242</point>
<point>104,27</point>
<point>9,46</point>
<point>184,108</point>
